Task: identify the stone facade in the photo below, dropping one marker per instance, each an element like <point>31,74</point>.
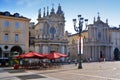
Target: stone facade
<point>49,32</point>
<point>99,41</point>
<point>115,39</point>
<point>73,46</point>
<point>97,44</point>
<point>14,34</point>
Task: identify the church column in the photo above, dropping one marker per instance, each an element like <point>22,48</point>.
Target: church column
<point>91,52</point>
<point>49,48</point>
<point>87,52</point>
<point>40,48</point>
<point>95,53</point>
<point>60,48</point>
<point>103,34</point>
<point>63,49</point>
<point>45,49</point>
<point>94,33</point>
<point>66,49</point>
<point>90,32</point>
<point>107,55</point>
<point>105,52</point>
<point>108,52</point>
<point>107,35</point>
<point>111,53</point>
<point>98,52</point>
<point>36,48</point>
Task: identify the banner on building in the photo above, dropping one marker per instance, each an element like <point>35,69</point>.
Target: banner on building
<point>80,45</point>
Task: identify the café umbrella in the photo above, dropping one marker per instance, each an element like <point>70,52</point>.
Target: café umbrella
<point>55,55</point>
<point>31,55</point>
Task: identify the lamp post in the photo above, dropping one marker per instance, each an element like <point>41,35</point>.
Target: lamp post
<point>79,30</point>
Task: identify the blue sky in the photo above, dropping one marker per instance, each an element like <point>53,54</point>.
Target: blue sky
<point>108,9</point>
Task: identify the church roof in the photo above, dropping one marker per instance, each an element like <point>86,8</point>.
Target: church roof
<point>99,21</point>
<point>6,13</point>
<point>59,11</point>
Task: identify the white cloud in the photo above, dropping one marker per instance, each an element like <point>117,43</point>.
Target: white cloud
<point>28,3</point>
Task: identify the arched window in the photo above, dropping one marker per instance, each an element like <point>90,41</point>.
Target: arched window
<point>6,24</point>
<point>99,35</point>
<point>16,25</point>
<point>16,37</point>
<point>6,37</point>
<point>52,31</point>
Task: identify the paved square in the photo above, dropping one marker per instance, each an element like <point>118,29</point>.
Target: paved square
<point>90,71</point>
<point>31,76</point>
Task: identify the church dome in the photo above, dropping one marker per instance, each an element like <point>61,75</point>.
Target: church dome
<point>59,11</point>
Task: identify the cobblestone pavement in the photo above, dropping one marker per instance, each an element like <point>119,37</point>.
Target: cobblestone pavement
<point>9,73</point>
<point>90,71</point>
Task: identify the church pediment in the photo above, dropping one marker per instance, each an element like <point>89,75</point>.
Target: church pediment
<point>100,22</point>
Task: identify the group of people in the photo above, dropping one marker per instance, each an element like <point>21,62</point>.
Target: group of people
<point>74,61</point>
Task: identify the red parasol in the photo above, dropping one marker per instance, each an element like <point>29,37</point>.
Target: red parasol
<point>55,55</point>
<point>31,55</point>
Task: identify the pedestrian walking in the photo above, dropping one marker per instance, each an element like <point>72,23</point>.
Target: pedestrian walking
<point>76,62</point>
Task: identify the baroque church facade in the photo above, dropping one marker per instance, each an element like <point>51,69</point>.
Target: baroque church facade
<point>97,43</point>
<point>49,32</point>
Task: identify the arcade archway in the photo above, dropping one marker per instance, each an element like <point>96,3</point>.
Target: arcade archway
<point>16,50</point>
<point>0,52</point>
<point>116,54</point>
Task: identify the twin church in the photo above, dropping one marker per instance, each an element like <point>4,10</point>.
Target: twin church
<point>18,35</point>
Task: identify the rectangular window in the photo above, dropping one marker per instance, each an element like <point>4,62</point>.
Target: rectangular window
<point>16,38</point>
<point>6,37</point>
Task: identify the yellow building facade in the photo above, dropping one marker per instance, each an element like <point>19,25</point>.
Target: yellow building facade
<point>14,34</point>
<point>74,44</point>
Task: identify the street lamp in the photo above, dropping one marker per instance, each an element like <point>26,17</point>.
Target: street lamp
<point>79,30</point>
